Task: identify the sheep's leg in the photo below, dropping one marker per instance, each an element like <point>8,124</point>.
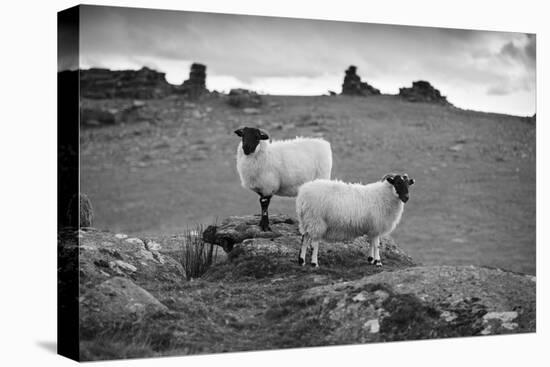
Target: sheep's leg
<point>314,253</point>
<point>370,259</point>
<point>264,222</point>
<point>376,245</point>
<point>302,256</point>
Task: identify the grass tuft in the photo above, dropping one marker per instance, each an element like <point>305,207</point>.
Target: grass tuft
<point>196,255</point>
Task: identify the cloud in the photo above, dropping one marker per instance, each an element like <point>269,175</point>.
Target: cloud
<point>526,52</point>
<point>531,47</point>
<point>514,65</point>
<point>246,47</point>
<point>499,90</point>
<point>284,54</point>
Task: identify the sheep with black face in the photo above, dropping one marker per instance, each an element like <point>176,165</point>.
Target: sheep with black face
<point>279,167</point>
<point>337,211</point>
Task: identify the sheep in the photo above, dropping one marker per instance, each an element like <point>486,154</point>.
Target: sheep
<point>279,167</point>
<point>337,211</point>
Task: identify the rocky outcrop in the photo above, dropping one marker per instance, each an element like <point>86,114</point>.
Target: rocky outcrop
<point>144,83</point>
<point>117,276</point>
<point>135,301</point>
<point>275,253</point>
<point>97,114</point>
<point>353,86</point>
<point>195,86</point>
<point>423,91</point>
<point>234,230</point>
<point>411,304</point>
<point>116,302</point>
<point>104,255</point>
<point>244,98</point>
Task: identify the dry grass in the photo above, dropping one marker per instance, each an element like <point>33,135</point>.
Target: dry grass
<point>196,255</point>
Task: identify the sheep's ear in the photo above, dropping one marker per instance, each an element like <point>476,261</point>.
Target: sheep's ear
<point>263,135</point>
<point>239,132</point>
<point>389,178</point>
<point>411,181</point>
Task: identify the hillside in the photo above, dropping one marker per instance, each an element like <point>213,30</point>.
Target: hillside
<point>172,165</point>
<point>135,301</point>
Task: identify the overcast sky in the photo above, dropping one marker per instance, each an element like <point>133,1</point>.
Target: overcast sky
<point>481,70</point>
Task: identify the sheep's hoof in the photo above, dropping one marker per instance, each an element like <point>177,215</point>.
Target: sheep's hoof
<point>370,260</point>
<point>314,265</point>
<point>378,263</point>
<point>301,261</point>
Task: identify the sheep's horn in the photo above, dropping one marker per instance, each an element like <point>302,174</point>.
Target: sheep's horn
<point>239,132</point>
<point>386,176</point>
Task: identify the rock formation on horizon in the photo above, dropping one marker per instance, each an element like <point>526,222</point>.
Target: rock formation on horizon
<point>145,83</point>
<point>195,86</point>
<point>244,98</point>
<point>423,91</point>
<point>353,86</point>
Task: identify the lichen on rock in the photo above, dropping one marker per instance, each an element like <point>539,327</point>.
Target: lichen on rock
<point>116,302</point>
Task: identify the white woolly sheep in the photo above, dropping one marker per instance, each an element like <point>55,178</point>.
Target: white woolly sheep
<point>279,167</point>
<point>337,211</point>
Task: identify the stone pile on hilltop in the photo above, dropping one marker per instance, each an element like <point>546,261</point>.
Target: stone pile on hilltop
<point>195,86</point>
<point>353,86</point>
<point>244,98</point>
<point>144,83</point>
<point>423,91</point>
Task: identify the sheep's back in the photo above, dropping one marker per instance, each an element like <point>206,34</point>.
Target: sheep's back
<point>299,161</point>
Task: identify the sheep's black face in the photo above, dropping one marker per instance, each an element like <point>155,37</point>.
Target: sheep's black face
<point>401,184</point>
<point>251,138</point>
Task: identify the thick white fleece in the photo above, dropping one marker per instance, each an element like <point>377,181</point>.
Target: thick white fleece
<point>336,211</point>
<point>280,167</point>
